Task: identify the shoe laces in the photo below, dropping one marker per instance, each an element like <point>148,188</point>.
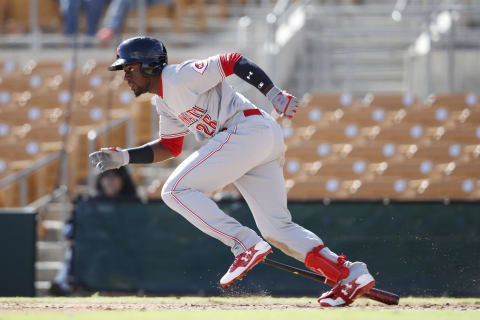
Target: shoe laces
<point>342,259</point>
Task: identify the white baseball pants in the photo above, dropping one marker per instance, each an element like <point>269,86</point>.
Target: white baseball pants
<point>250,155</point>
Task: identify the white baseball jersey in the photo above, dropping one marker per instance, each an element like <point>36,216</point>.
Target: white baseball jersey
<point>193,98</point>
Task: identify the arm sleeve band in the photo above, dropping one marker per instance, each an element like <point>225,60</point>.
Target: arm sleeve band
<point>146,153</point>
<point>228,61</point>
<point>142,154</point>
<point>173,145</point>
<point>247,70</point>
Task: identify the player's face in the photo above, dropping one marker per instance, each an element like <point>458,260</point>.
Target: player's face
<point>137,82</point>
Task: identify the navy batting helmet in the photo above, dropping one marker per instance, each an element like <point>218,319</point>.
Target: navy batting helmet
<point>150,52</point>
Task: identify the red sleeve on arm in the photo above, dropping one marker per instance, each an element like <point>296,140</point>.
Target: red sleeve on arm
<point>173,145</point>
<point>228,61</point>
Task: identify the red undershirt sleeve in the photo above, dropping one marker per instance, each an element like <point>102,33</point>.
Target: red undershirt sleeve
<point>228,61</point>
<point>173,145</point>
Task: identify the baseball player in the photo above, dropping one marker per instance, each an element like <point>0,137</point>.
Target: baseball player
<point>245,147</point>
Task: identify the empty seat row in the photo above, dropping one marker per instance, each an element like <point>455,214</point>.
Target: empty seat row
<point>379,151</point>
<point>400,134</point>
<point>12,68</point>
<point>296,168</point>
<point>398,188</point>
<point>115,99</point>
<point>388,101</point>
<point>432,116</point>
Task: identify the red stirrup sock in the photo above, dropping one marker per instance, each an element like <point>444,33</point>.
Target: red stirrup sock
<point>332,270</point>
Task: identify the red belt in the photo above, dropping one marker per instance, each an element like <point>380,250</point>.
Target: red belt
<point>248,113</point>
<point>252,112</point>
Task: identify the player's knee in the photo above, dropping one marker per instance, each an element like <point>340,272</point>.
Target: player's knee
<point>268,233</point>
<point>166,194</point>
<point>277,231</point>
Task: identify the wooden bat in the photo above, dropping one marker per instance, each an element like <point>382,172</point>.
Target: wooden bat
<point>374,294</point>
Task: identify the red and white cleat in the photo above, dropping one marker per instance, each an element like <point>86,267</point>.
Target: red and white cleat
<point>359,282</point>
<point>244,262</point>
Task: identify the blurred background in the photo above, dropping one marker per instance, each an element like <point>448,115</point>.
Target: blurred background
<point>382,161</point>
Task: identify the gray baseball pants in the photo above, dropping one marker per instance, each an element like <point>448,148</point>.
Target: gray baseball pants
<point>249,154</point>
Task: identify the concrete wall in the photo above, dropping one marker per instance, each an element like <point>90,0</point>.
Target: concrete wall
<point>466,75</point>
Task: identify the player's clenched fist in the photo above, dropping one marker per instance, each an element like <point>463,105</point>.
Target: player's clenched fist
<point>109,158</point>
<point>284,103</point>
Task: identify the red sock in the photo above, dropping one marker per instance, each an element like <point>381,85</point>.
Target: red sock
<point>333,271</point>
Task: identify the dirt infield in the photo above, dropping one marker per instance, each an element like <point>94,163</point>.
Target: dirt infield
<point>212,303</point>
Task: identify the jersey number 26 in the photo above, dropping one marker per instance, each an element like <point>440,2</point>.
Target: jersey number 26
<point>207,125</point>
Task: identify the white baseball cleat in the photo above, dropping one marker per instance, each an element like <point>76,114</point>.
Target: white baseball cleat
<point>359,282</point>
<point>244,262</point>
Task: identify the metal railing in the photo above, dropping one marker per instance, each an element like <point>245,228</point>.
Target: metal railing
<point>278,22</point>
<point>92,138</point>
<point>307,53</point>
<point>442,32</point>
<point>22,176</point>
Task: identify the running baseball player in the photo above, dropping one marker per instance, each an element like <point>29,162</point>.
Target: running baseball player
<point>245,147</point>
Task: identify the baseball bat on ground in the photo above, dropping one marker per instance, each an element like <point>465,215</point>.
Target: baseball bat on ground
<point>374,293</point>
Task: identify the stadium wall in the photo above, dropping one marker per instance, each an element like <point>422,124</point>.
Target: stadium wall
<point>17,253</point>
<point>411,248</point>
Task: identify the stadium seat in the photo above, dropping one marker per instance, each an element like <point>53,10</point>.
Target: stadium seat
<point>409,169</point>
<point>311,151</point>
<point>382,188</point>
<point>457,101</point>
<point>23,150</point>
<point>400,133</point>
<point>118,98</point>
<point>21,155</point>
<point>328,101</point>
<point>448,188</point>
<point>440,152</point>
<point>294,135</point>
<point>312,116</point>
<point>464,169</point>
<point>365,117</point>
<point>180,11</point>
<point>375,152</point>
<point>472,151</point>
<point>42,68</point>
<point>8,67</point>
<point>16,82</point>
<point>88,116</point>
<point>470,116</point>
<point>337,133</point>
<point>343,168</point>
<point>295,167</point>
<point>48,15</point>
<point>431,116</point>
<point>20,116</point>
<point>317,188</point>
<point>463,134</point>
<point>388,101</point>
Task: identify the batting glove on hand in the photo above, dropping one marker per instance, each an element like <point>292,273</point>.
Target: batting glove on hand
<point>283,102</point>
<point>109,158</point>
